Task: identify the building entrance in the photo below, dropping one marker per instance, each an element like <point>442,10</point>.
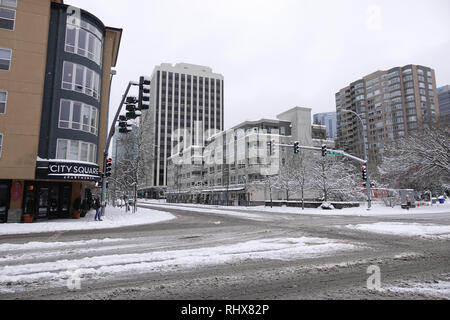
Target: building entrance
<point>47,200</point>
<point>5,187</point>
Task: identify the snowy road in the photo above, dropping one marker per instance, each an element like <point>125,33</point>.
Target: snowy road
<point>220,253</point>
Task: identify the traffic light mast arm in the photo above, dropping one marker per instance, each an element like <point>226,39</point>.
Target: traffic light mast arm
<point>119,110</point>
<point>362,161</point>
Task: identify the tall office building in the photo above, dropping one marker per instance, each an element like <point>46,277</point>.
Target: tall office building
<point>55,64</point>
<point>327,119</point>
<point>444,104</point>
<point>391,103</point>
<point>186,104</point>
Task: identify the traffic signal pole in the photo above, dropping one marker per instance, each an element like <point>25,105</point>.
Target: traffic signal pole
<point>108,143</point>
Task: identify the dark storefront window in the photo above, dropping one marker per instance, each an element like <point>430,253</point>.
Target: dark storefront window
<point>47,200</point>
<point>4,201</point>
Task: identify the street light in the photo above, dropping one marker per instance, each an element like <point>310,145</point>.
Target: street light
<point>369,201</point>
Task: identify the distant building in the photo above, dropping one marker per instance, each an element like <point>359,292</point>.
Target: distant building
<point>391,103</point>
<point>328,120</point>
<point>233,164</point>
<point>444,104</point>
<point>186,102</point>
<point>125,146</point>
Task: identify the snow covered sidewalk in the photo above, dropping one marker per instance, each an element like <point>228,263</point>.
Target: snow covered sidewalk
<point>114,218</point>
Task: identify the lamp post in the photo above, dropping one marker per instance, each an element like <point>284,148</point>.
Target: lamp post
<point>369,201</point>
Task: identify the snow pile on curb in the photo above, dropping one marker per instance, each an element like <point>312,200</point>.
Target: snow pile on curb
<point>433,289</point>
<point>406,229</point>
<point>376,210</point>
<point>114,218</point>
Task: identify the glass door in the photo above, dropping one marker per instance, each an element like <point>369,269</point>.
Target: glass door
<point>66,194</point>
<point>4,202</point>
<point>53,201</point>
<point>29,199</point>
<point>43,202</point>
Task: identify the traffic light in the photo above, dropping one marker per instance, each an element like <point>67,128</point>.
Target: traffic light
<point>133,114</point>
<point>108,168</point>
<point>144,93</point>
<point>324,150</point>
<point>297,147</point>
<point>271,145</point>
<point>124,126</point>
<point>364,173</point>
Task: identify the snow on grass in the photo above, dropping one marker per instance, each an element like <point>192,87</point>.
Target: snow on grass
<point>57,272</point>
<point>377,209</point>
<point>406,229</point>
<point>114,218</point>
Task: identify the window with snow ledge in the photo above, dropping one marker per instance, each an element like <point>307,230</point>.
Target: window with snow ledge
<point>76,150</point>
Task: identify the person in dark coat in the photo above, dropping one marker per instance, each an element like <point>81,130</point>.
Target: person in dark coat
<point>97,208</point>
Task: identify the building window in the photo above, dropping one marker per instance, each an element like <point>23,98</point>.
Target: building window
<point>3,99</point>
<point>7,18</point>
<point>78,116</point>
<point>76,151</point>
<point>5,59</point>
<point>84,39</point>
<point>9,3</point>
<point>80,79</point>
<point>1,144</point>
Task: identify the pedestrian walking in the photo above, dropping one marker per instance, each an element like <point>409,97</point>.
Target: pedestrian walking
<point>97,208</point>
<point>408,202</point>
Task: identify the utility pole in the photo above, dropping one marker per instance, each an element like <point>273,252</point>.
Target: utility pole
<point>364,134</point>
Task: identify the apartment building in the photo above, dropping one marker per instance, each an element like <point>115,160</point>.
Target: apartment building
<point>231,167</point>
<point>444,104</point>
<point>187,102</point>
<point>55,63</point>
<point>391,104</point>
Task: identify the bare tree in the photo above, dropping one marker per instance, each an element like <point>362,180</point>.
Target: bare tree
<point>300,173</point>
<point>131,167</point>
<point>271,183</point>
<point>334,178</point>
<point>286,175</point>
<point>418,161</point>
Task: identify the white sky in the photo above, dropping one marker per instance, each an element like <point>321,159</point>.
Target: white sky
<point>277,54</point>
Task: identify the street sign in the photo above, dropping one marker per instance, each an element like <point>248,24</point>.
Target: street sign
<point>336,153</point>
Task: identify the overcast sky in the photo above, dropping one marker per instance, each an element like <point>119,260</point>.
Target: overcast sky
<point>277,54</point>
